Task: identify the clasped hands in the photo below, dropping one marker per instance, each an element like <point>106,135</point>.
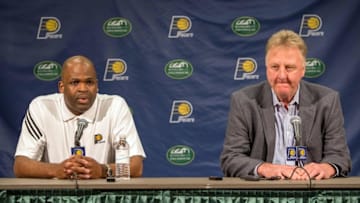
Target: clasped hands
<point>312,170</point>
<point>82,167</point>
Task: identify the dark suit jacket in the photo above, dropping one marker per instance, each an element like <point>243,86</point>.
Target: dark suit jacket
<point>250,134</point>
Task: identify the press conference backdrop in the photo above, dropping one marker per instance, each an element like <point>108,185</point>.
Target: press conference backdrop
<point>175,62</point>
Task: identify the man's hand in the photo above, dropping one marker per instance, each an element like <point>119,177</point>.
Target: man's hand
<point>319,171</point>
<point>269,170</point>
<point>69,165</point>
<point>25,167</point>
<point>312,170</point>
<point>83,167</point>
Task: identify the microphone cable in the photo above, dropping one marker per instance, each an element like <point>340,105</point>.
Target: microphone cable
<point>76,182</point>
<point>307,173</point>
<point>75,178</point>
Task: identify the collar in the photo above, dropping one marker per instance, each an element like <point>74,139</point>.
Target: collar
<point>88,115</point>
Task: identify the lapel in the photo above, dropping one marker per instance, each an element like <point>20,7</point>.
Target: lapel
<point>267,112</point>
<point>306,112</point>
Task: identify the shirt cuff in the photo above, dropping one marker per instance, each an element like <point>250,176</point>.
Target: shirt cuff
<point>337,172</point>
<point>256,168</point>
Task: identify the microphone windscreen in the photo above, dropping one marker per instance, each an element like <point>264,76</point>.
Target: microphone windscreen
<point>295,120</point>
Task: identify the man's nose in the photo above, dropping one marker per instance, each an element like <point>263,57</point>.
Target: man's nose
<point>282,72</point>
<point>83,86</point>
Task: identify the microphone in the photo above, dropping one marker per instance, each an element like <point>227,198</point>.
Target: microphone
<point>77,149</point>
<point>81,125</point>
<point>299,150</point>
<point>296,123</point>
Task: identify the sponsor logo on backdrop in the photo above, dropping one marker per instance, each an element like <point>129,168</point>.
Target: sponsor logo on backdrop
<point>181,112</point>
<point>180,155</point>
<point>314,68</point>
<point>180,27</point>
<point>311,25</point>
<point>115,70</point>
<point>245,26</point>
<point>117,27</point>
<point>49,28</point>
<point>47,70</point>
<point>178,69</point>
<point>245,69</point>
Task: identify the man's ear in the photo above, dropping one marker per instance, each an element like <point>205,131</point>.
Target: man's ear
<point>61,86</point>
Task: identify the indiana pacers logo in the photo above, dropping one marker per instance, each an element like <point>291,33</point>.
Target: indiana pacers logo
<point>245,69</point>
<point>98,138</point>
<point>180,27</point>
<point>301,153</point>
<point>296,153</point>
<point>291,153</point>
<point>78,150</point>
<point>48,28</point>
<point>115,70</point>
<point>310,25</point>
<point>181,111</point>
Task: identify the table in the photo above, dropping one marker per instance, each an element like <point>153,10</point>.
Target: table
<point>179,189</point>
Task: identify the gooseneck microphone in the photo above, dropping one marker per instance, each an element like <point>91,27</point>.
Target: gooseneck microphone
<point>81,125</point>
<point>300,151</point>
<point>296,123</point>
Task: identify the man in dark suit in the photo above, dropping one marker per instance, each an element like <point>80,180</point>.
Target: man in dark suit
<point>260,131</point>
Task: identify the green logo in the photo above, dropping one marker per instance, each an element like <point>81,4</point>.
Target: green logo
<point>245,26</point>
<point>47,70</point>
<point>178,69</point>
<point>314,68</point>
<point>180,155</point>
<point>117,27</point>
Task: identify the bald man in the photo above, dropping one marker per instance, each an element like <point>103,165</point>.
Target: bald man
<point>47,141</point>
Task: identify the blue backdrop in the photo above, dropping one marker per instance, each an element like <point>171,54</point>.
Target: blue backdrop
<point>175,62</point>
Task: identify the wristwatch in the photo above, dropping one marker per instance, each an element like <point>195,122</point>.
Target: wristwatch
<point>106,170</point>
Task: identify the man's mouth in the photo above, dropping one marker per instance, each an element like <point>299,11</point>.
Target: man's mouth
<point>82,99</point>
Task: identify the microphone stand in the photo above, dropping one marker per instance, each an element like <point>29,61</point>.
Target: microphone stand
<point>81,125</point>
<point>296,123</point>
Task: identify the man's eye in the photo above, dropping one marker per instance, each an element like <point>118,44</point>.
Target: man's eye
<point>74,82</point>
<point>90,82</point>
<point>275,67</point>
<point>290,68</point>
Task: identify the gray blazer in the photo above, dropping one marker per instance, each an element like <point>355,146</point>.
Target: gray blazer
<point>250,133</point>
